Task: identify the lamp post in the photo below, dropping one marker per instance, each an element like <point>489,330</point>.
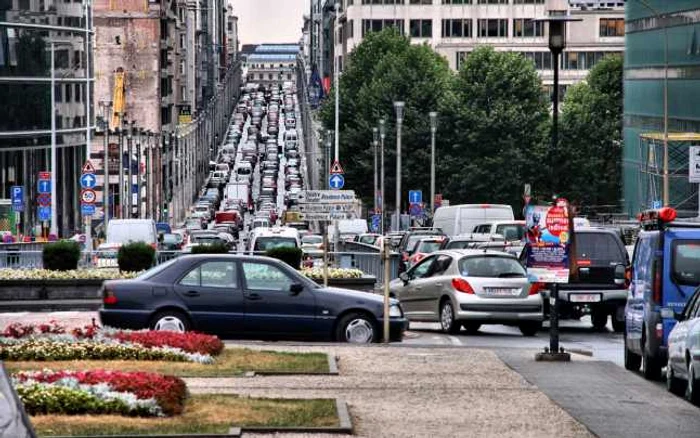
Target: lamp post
<point>557,42</point>
<point>129,185</point>
<point>331,134</point>
<point>375,143</point>
<point>336,83</point>
<point>382,136</point>
<point>399,107</point>
<point>433,130</point>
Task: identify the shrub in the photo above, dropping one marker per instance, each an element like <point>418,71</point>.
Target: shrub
<point>61,256</point>
<point>135,257</point>
<point>214,248</point>
<point>291,256</point>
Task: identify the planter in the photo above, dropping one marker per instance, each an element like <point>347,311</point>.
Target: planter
<point>19,290</point>
<point>364,284</point>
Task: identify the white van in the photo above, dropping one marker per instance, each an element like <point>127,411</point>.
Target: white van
<point>461,219</point>
<point>348,229</point>
<point>264,239</point>
<point>123,231</point>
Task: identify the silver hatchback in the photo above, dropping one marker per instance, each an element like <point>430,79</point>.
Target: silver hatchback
<point>468,288</point>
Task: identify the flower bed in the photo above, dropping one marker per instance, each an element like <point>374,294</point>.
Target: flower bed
<point>334,273</point>
<point>100,392</point>
<point>78,274</point>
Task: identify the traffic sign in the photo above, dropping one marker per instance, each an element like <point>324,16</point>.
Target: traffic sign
<point>44,213</point>
<point>88,196</point>
<point>415,197</point>
<point>326,208</point>
<point>88,181</point>
<point>45,175</point>
<point>17,195</point>
<point>336,169</point>
<point>44,186</point>
<point>88,167</point>
<point>43,199</point>
<point>323,216</point>
<point>416,210</point>
<point>326,197</point>
<point>694,164</point>
<point>656,205</point>
<point>87,209</point>
<point>376,221</point>
<point>336,181</point>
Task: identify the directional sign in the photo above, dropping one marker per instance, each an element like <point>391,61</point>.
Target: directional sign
<point>326,208</point>
<point>323,216</point>
<point>88,181</point>
<point>415,197</point>
<point>337,169</point>
<point>694,164</point>
<point>336,181</point>
<point>44,186</point>
<point>87,209</point>
<point>326,196</point>
<point>88,167</point>
<point>88,196</point>
<point>43,199</point>
<point>44,213</point>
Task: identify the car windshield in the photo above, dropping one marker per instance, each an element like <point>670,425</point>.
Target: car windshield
<point>370,240</point>
<point>170,238</point>
<point>156,270</point>
<point>490,267</point>
<point>428,247</point>
<point>686,262</point>
<point>511,232</point>
<point>205,239</point>
<point>312,240</point>
<point>603,248</point>
<point>266,243</point>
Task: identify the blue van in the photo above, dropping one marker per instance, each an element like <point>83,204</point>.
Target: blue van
<point>665,273</point>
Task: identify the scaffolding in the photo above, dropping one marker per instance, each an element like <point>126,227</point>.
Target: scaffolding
<point>683,196</point>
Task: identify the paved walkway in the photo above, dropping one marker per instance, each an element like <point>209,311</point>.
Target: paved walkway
<point>609,400</point>
<point>416,392</point>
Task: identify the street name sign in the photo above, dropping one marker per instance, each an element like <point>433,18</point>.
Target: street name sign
<point>326,208</point>
<point>323,216</point>
<point>326,197</point>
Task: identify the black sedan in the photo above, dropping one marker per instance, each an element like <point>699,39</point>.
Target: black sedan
<point>244,296</point>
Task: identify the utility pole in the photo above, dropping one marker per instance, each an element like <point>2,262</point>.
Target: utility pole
<point>399,107</point>
<point>375,143</point>
<point>382,136</point>
<point>336,82</point>
<point>54,167</point>
<point>433,131</point>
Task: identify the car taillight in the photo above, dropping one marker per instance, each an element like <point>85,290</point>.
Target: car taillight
<point>536,288</point>
<point>462,285</point>
<point>657,283</point>
<point>108,297</point>
<point>628,277</point>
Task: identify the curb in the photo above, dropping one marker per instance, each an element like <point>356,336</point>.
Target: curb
<point>332,370</point>
<point>579,351</point>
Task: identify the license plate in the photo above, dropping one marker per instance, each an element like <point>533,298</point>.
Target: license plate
<point>584,298</point>
<point>502,292</point>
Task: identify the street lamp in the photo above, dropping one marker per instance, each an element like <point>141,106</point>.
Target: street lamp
<point>433,130</point>
<point>375,143</point>
<point>557,42</point>
<point>336,82</point>
<point>382,136</point>
<point>331,134</point>
<point>399,107</point>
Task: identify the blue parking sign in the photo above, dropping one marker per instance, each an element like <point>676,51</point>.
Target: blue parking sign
<point>44,213</point>
<point>17,196</point>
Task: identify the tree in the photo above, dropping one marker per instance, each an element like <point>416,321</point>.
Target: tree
<point>590,150</point>
<point>497,119</point>
<point>384,68</point>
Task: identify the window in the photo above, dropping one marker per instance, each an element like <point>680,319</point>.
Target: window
<point>528,2</point>
<point>69,93</point>
<point>351,29</point>
<point>461,57</point>
<point>422,270</point>
<point>421,2</point>
<point>378,25</point>
<point>382,2</point>
<point>78,97</point>
<point>217,275</point>
<point>261,276</point>
<point>542,60</point>
<point>493,28</point>
<point>527,27</point>
<point>686,262</point>
<point>601,247</point>
<point>612,27</point>
<point>460,28</point>
<point>491,267</point>
<point>493,2</point>
<point>421,28</point>
<point>456,2</point>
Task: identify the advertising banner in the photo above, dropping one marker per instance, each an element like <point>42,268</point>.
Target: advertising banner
<point>547,242</point>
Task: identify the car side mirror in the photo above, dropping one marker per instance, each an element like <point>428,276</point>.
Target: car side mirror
<point>405,278</point>
<point>296,289</point>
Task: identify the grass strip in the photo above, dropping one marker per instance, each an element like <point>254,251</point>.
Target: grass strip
<point>232,362</point>
<point>202,414</point>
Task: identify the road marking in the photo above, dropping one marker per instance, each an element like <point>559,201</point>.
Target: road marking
<point>455,341</point>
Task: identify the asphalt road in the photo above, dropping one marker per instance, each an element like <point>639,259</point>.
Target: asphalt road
<point>575,335</point>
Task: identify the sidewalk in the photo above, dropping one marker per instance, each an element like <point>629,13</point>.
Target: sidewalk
<point>609,400</point>
<point>417,392</point>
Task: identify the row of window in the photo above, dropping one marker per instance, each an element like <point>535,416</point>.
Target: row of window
<point>486,27</point>
<point>543,60</point>
<point>450,2</point>
<point>271,77</point>
<point>68,93</point>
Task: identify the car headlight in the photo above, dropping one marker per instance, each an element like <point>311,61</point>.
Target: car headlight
<point>395,311</point>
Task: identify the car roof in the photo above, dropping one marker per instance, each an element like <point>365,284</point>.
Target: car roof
<point>459,253</point>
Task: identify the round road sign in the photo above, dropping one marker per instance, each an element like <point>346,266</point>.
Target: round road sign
<point>88,196</point>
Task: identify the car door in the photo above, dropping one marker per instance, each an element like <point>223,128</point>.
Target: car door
<point>270,305</point>
<point>415,293</point>
<point>435,283</point>
<point>212,292</point>
<point>680,337</point>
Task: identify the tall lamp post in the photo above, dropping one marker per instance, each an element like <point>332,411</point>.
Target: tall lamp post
<point>336,82</point>
<point>375,143</point>
<point>382,137</point>
<point>557,42</point>
<point>433,130</point>
<point>399,107</point>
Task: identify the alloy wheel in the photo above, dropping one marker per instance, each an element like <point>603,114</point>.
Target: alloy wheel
<point>170,323</point>
<point>446,317</point>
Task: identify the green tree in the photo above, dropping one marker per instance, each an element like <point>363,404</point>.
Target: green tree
<point>382,69</point>
<point>496,119</point>
<point>590,149</point>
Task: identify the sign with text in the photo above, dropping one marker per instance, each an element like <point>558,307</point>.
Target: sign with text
<point>326,208</point>
<point>694,164</point>
<point>326,197</point>
<point>547,242</point>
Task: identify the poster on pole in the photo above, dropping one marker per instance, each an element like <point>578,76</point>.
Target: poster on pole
<point>547,240</point>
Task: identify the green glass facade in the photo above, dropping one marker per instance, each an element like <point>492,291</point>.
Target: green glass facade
<point>651,27</point>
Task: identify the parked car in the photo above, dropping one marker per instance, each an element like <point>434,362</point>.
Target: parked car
<point>665,273</point>
<point>409,241</point>
<point>468,288</point>
<point>683,366</point>
<point>264,298</point>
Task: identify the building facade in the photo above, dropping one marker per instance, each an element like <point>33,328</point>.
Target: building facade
<point>455,27</point>
<point>272,64</point>
<point>28,30</point>
<point>662,64</point>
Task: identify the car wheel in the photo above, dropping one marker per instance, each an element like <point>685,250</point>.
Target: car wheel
<point>356,328</point>
<point>673,383</point>
<point>599,319</point>
<point>170,320</point>
<point>618,326</point>
<point>651,368</point>
<point>530,328</point>
<point>632,361</point>
<point>471,327</point>
<point>692,391</point>
<point>447,318</point>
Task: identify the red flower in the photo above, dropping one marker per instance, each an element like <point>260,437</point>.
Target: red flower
<point>190,342</point>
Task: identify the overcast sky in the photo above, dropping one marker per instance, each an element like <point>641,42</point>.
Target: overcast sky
<point>269,21</point>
